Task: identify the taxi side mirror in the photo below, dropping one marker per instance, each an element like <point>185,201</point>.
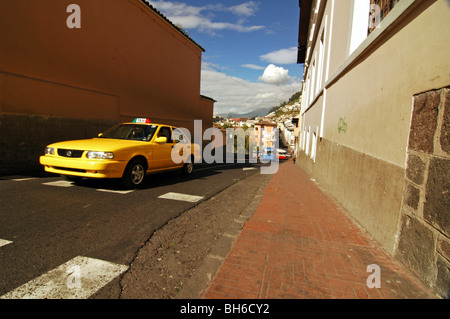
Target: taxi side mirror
<point>161,140</point>
<point>100,134</point>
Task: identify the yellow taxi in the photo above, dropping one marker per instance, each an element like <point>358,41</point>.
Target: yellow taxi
<point>127,151</point>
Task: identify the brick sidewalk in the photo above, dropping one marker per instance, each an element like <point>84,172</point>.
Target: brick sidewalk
<point>299,244</point>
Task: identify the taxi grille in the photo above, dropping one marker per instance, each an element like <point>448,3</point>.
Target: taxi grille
<point>70,153</point>
<point>70,169</point>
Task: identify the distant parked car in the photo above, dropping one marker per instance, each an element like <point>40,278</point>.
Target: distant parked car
<point>268,153</point>
<point>281,154</point>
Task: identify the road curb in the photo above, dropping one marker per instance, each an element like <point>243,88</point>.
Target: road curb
<point>200,280</point>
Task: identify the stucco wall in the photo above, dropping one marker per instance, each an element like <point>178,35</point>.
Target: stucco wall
<point>375,95</point>
<point>370,94</point>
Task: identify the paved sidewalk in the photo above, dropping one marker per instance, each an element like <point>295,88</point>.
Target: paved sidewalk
<point>300,244</point>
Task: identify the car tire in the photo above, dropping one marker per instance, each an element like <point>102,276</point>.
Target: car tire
<point>134,174</point>
<point>188,167</point>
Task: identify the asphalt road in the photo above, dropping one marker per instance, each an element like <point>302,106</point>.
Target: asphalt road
<point>46,222</point>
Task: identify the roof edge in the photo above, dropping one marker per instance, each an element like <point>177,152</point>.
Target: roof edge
<point>305,17</point>
<point>207,98</point>
<point>171,24</point>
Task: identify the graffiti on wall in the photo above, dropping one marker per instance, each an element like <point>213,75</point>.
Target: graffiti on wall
<point>342,125</point>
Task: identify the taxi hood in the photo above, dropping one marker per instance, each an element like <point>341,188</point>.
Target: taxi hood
<point>97,144</point>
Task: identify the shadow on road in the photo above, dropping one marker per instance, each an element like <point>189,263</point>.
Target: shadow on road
<point>161,179</point>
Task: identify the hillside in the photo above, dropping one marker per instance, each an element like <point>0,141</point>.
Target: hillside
<point>278,110</point>
<point>255,113</point>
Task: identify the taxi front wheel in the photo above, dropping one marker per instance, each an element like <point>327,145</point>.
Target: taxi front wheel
<point>188,167</point>
<point>134,174</point>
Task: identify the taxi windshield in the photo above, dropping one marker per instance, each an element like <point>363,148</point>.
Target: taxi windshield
<point>133,132</point>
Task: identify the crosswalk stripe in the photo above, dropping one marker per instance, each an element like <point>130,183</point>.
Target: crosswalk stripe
<point>79,278</point>
<point>115,191</point>
<point>70,184</point>
<point>23,179</point>
<point>4,242</point>
<point>59,184</point>
<point>181,197</point>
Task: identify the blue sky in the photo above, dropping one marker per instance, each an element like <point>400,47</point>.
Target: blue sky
<point>251,49</point>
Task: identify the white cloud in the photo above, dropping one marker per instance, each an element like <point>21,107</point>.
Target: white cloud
<point>191,17</point>
<point>246,9</point>
<point>283,56</point>
<point>253,66</point>
<point>239,96</point>
<point>188,22</point>
<point>275,75</point>
<point>176,8</point>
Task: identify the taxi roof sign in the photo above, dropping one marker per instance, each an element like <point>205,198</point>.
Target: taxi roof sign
<point>141,120</point>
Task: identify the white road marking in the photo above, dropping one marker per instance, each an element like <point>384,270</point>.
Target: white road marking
<point>181,197</point>
<point>59,184</point>
<point>23,179</point>
<point>218,167</point>
<point>78,278</point>
<point>4,242</point>
<point>116,192</point>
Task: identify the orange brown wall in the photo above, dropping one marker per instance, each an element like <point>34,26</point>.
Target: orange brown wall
<point>125,61</point>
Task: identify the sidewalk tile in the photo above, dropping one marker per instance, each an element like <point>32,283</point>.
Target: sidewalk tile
<point>299,244</point>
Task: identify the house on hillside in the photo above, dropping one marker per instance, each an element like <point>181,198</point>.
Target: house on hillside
<point>240,121</point>
<point>70,71</point>
<point>374,122</point>
<point>266,135</point>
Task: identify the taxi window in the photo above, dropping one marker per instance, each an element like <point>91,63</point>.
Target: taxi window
<point>165,131</point>
<point>131,132</point>
<point>178,136</point>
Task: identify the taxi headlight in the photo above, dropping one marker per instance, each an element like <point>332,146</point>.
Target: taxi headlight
<point>100,155</point>
<point>50,151</point>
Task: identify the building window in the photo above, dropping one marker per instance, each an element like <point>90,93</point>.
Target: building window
<point>359,23</point>
<point>319,84</point>
<point>313,81</point>
<point>379,9</point>
<point>308,138</point>
<point>307,90</point>
<point>314,144</point>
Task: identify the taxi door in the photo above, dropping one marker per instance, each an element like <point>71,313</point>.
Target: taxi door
<point>162,152</point>
<point>182,148</point>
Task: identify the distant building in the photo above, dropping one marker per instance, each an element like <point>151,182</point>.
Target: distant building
<point>287,129</point>
<point>374,123</point>
<point>265,134</point>
<point>63,80</point>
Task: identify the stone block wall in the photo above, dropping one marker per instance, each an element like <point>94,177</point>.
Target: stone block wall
<point>24,137</point>
<point>424,234</point>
